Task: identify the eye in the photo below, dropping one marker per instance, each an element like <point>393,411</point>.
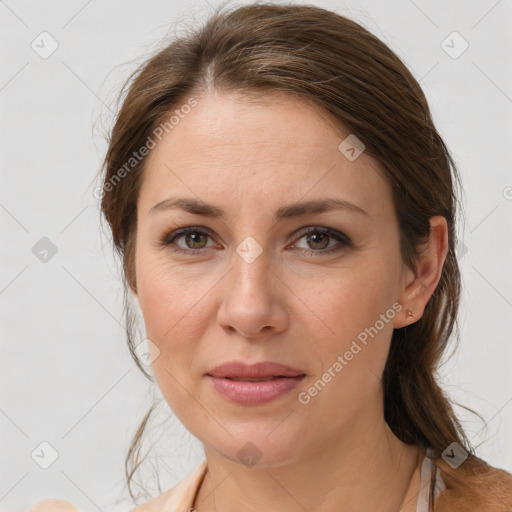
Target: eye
<point>318,238</point>
<point>193,238</point>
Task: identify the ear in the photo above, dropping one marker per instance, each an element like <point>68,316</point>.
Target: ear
<point>417,288</point>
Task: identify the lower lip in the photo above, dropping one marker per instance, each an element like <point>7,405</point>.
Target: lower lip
<point>254,393</point>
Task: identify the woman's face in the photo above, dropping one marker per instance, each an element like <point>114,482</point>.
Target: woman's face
<point>255,282</point>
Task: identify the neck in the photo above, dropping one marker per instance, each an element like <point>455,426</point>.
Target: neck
<point>354,471</point>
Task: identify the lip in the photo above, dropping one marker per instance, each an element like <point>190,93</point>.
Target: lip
<point>239,369</point>
<point>254,393</point>
<point>283,380</point>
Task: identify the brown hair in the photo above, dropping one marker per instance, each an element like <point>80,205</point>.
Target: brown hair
<point>321,56</point>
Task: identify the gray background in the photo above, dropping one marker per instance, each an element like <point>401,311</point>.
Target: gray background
<point>66,376</point>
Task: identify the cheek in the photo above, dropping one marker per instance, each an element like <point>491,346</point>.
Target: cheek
<point>170,296</point>
<point>356,301</point>
<point>173,317</point>
<point>357,310</point>
<point>171,310</point>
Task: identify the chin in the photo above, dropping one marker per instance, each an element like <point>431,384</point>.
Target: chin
<point>256,447</point>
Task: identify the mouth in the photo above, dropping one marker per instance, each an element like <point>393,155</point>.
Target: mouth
<point>253,391</point>
<point>256,372</point>
<point>261,379</point>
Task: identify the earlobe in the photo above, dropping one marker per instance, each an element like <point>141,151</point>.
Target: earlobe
<point>429,267</point>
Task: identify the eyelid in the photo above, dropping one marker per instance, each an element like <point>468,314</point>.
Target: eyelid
<point>323,230</point>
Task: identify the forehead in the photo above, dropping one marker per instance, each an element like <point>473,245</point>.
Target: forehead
<point>274,146</point>
<point>245,126</point>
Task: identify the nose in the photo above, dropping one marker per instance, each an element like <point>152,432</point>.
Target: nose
<point>254,298</point>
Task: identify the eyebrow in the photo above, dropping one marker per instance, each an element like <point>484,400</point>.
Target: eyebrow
<point>298,209</point>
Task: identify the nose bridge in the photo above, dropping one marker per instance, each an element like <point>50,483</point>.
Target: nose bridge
<point>249,304</point>
<point>250,265</point>
<point>252,248</point>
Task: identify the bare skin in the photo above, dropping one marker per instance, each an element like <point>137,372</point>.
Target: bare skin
<point>301,302</point>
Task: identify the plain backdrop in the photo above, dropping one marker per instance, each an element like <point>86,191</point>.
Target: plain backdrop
<point>67,379</point>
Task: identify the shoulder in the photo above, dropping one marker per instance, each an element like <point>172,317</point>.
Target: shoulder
<point>53,505</point>
<point>474,485</point>
<point>180,497</point>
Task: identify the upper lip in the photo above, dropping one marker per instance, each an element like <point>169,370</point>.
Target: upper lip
<point>239,369</point>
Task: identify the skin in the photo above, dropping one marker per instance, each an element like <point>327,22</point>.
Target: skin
<point>295,303</point>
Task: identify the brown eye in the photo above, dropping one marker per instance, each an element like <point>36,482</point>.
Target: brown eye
<point>318,240</point>
<point>194,240</point>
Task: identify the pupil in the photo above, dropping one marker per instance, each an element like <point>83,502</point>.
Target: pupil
<point>195,237</point>
<point>315,237</point>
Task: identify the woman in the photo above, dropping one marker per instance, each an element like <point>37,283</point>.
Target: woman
<point>285,212</point>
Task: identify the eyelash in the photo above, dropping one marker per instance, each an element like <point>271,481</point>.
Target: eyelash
<point>168,239</point>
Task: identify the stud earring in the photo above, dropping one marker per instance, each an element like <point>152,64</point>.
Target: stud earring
<point>409,312</point>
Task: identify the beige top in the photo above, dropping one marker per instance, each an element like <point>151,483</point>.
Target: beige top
<point>425,485</point>
<point>484,489</point>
